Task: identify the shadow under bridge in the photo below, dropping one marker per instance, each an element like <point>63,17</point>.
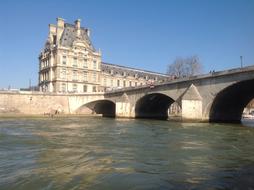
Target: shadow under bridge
<point>154,106</point>
<point>229,103</point>
<point>106,108</point>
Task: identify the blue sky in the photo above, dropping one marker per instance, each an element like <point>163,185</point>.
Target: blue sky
<point>146,34</point>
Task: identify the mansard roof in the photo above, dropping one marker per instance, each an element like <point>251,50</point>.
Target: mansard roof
<point>129,71</point>
<point>69,35</point>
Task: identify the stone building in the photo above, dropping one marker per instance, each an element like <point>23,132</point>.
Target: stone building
<point>70,64</point>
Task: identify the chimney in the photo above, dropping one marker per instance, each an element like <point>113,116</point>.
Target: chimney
<point>60,22</point>
<point>77,23</point>
<point>59,29</point>
<point>77,26</point>
<point>52,33</point>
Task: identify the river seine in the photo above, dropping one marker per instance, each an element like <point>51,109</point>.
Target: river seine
<point>105,154</point>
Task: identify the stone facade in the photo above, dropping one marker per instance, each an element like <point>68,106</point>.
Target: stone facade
<point>70,64</point>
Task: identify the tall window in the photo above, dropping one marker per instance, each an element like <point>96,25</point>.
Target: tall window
<point>75,62</point>
<point>124,83</point>
<point>46,63</point>
<point>136,84</point>
<point>74,88</point>
<point>63,87</point>
<point>64,60</point>
<point>85,76</point>
<point>118,83</point>
<point>112,83</point>
<point>94,88</point>
<point>84,88</point>
<point>85,63</point>
<point>75,75</point>
<point>63,73</point>
<point>130,83</point>
<point>94,77</point>
<point>94,64</point>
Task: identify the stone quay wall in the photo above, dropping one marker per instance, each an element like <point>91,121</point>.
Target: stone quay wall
<point>43,103</point>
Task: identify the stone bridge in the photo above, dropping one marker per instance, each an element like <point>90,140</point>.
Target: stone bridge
<point>215,97</point>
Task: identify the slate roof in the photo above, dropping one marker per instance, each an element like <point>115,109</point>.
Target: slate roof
<point>129,71</point>
<point>70,34</point>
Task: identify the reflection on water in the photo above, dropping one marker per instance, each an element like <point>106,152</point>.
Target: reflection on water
<point>248,122</point>
<point>101,153</point>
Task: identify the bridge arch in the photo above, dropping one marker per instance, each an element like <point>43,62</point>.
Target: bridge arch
<point>105,107</point>
<point>229,103</point>
<point>153,105</point>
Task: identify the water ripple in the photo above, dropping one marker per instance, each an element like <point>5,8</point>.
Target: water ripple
<point>99,153</point>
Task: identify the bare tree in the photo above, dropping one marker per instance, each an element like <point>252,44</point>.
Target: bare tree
<point>184,67</point>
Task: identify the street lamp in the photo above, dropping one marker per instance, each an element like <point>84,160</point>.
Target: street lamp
<point>241,58</point>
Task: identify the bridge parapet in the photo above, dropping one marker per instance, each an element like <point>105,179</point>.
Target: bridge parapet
<point>189,80</point>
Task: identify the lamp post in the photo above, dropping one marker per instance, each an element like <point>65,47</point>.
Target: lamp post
<point>241,59</point>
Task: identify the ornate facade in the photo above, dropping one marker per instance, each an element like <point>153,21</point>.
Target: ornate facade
<point>70,64</point>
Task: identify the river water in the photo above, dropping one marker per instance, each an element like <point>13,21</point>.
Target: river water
<point>104,153</point>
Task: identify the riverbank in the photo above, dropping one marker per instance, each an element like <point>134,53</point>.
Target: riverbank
<point>18,115</point>
<point>171,118</point>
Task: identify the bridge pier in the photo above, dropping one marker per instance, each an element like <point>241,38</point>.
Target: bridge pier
<point>192,104</point>
<point>124,109</point>
<point>156,105</point>
<point>192,110</point>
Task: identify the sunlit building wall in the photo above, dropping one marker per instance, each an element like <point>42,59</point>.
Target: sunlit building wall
<point>70,64</point>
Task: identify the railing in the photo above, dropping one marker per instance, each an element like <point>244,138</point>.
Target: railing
<point>69,93</point>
